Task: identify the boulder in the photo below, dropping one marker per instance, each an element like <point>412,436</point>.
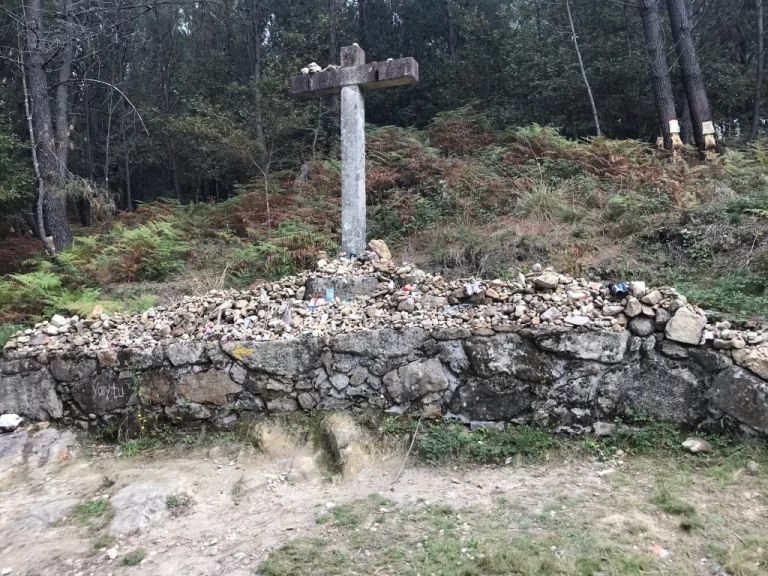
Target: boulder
<point>158,387</point>
<point>697,445</point>
<point>380,248</point>
<point>686,326</point>
<point>9,422</point>
<point>282,405</point>
<point>642,326</point>
<point>280,357</point>
<point>59,321</point>
<point>138,506</point>
<point>30,395</point>
<point>661,388</point>
<point>384,343</point>
<point>12,447</point>
<point>43,516</point>
<point>607,347</point>
<point>633,307</point>
<point>493,398</point>
<point>672,350</point>
<point>187,412</point>
<point>756,359</point>
<point>638,289</point>
<point>743,396</point>
<point>513,355</point>
<point>107,357</point>
<point>662,316</point>
<point>186,353</point>
<point>141,358</point>
<point>551,314</point>
<point>102,394</point>
<point>51,445</point>
<point>653,297</point>
<point>601,429</point>
<point>548,280</point>
<point>415,380</point>
<point>72,369</point>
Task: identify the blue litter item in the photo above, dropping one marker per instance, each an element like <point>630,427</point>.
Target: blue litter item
<point>456,306</point>
<point>619,290</point>
<point>329,294</point>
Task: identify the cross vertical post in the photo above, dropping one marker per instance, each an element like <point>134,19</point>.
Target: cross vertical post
<point>351,80</point>
<point>352,158</point>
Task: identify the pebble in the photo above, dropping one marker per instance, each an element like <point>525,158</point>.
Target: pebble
<point>276,311</point>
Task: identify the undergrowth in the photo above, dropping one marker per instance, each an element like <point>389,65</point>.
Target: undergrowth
<point>457,198</point>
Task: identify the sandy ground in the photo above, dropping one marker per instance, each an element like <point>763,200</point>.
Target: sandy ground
<point>245,504</point>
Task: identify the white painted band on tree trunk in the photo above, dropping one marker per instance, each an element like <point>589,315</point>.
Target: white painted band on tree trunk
<point>352,170</point>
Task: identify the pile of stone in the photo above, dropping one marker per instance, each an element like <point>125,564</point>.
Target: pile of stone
<point>371,292</point>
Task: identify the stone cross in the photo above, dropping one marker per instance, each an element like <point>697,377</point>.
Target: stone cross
<point>350,79</point>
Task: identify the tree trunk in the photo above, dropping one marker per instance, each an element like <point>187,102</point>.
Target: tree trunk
<point>126,150</point>
<point>62,95</point>
<point>254,37</point>
<point>333,48</point>
<point>257,79</point>
<point>760,72</point>
<point>453,28</point>
<point>583,71</point>
<point>657,63</point>
<point>686,125</point>
<point>174,168</point>
<point>54,208</point>
<point>693,80</point>
<point>362,17</point>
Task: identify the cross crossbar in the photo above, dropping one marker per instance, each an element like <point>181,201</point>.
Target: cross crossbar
<point>373,76</point>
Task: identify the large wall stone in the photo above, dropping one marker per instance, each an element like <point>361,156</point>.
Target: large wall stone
<point>281,357</point>
<point>31,394</point>
<point>607,347</point>
<point>103,394</point>
<point>742,396</point>
<point>657,387</point>
<point>211,387</point>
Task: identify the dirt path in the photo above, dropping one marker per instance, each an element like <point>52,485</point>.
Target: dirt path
<point>243,504</point>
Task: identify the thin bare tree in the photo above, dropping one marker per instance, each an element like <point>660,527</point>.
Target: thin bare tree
<point>575,40</point>
<point>760,72</point>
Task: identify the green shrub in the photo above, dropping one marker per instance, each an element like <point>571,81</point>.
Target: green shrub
<point>147,252</point>
<point>133,558</point>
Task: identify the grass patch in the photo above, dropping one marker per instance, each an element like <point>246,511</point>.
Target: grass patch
<point>670,503</point>
<point>103,541</point>
<point>441,442</point>
<point>133,558</point>
<point>91,509</point>
<point>177,504</point>
<point>94,514</point>
<point>131,448</point>
<point>438,539</point>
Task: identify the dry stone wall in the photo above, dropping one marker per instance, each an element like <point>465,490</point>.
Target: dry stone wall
<point>544,348</point>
